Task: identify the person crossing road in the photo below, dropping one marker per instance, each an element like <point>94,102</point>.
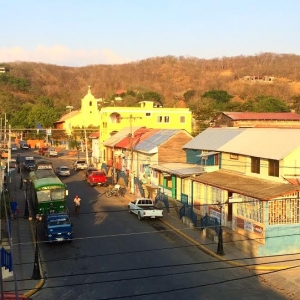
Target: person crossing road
<point>77,203</point>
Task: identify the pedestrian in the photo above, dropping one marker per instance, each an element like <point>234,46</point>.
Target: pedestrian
<point>77,205</point>
<point>13,208</point>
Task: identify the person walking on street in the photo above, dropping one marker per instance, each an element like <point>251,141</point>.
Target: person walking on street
<point>13,208</point>
<point>77,205</point>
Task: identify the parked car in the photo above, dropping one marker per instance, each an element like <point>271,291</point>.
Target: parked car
<point>80,164</point>
<point>43,150</point>
<point>58,227</point>
<point>88,171</point>
<point>51,152</point>
<point>144,208</point>
<point>63,171</point>
<point>12,164</point>
<point>14,147</point>
<point>29,164</point>
<point>25,146</point>
<point>97,178</point>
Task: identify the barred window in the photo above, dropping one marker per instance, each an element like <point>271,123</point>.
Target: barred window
<point>216,195</point>
<point>185,186</point>
<point>251,208</point>
<point>284,211</point>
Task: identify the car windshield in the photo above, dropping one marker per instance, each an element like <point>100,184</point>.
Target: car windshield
<point>64,169</point>
<point>60,221</point>
<point>81,161</point>
<point>29,162</point>
<point>98,173</point>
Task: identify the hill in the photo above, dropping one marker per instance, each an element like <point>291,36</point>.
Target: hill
<point>168,76</point>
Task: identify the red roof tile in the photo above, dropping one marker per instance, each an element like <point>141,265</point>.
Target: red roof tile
<point>138,136</point>
<point>120,92</point>
<point>94,135</point>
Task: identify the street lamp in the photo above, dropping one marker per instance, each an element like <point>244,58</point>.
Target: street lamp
<point>220,249</point>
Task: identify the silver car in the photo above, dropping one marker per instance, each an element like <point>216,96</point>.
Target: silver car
<point>63,171</point>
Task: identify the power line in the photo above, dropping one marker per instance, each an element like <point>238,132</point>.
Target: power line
<point>159,275</point>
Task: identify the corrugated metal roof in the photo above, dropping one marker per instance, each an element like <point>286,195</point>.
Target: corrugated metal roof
<point>120,135</point>
<point>262,116</point>
<point>179,169</point>
<point>213,138</point>
<point>246,185</point>
<point>156,139</point>
<point>270,143</point>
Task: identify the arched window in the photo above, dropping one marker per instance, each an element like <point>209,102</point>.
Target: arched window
<point>91,103</point>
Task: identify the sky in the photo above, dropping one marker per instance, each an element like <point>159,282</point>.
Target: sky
<point>79,33</point>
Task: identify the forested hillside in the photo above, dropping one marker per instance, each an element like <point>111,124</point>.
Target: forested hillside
<point>173,81</point>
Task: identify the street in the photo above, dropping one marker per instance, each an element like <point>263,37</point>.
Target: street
<point>116,256</point>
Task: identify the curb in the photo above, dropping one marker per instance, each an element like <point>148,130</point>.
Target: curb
<point>213,254</point>
<point>42,280</point>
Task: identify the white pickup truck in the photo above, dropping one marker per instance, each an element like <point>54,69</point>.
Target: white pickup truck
<point>144,208</point>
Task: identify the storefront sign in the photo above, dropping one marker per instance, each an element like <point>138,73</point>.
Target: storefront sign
<point>214,213</point>
<point>258,229</point>
<point>248,226</point>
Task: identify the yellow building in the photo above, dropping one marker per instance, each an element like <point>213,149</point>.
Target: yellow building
<point>113,119</point>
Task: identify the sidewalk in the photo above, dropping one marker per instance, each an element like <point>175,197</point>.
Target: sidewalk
<point>23,248</point>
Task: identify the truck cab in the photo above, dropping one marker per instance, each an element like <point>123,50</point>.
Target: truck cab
<point>58,227</point>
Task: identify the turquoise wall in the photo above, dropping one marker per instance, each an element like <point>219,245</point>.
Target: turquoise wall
<point>191,156</point>
<point>281,239</point>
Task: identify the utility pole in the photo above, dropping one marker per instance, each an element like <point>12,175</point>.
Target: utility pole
<point>9,155</point>
<point>131,175</point>
<point>86,148</point>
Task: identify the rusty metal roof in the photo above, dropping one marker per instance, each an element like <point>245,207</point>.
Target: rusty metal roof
<point>288,116</point>
<point>246,185</point>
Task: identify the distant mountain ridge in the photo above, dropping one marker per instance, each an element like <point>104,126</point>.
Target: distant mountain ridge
<point>169,76</point>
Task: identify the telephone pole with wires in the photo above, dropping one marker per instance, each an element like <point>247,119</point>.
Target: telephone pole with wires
<point>131,175</point>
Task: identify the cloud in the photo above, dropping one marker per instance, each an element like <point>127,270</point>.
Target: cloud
<point>61,55</point>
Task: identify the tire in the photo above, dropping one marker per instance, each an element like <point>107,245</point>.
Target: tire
<point>139,216</point>
<point>129,210</point>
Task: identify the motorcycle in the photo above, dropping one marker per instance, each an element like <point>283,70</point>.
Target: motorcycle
<point>115,191</point>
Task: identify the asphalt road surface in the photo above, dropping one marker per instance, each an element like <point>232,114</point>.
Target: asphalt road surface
<point>116,256</point>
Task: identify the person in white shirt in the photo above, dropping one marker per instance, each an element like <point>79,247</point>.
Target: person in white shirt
<point>77,205</point>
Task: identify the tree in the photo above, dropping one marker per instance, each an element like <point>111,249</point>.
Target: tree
<point>270,104</point>
<point>219,96</point>
<point>153,96</point>
<point>189,95</point>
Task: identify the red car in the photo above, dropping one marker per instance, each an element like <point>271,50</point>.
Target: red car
<point>97,178</point>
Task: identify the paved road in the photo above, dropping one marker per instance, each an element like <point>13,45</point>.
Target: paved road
<point>116,256</point>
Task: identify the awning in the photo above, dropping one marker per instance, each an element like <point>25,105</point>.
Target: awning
<point>208,154</point>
